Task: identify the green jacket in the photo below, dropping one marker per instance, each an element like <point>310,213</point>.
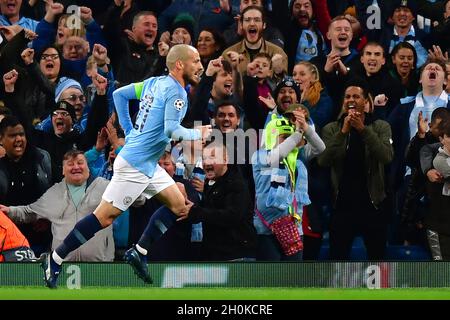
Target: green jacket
<point>379,151</point>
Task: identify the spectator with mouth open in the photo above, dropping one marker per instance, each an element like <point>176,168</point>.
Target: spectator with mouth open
<point>337,66</point>
<point>134,54</point>
<point>70,103</point>
<point>253,25</point>
<point>10,15</point>
<point>404,118</point>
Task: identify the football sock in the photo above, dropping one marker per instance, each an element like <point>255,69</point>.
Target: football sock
<point>158,224</point>
<point>84,230</point>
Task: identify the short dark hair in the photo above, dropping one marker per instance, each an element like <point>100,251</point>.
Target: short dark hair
<point>440,113</point>
<point>263,14</point>
<point>227,102</point>
<point>360,83</point>
<point>373,44</point>
<point>8,121</point>
<point>436,61</point>
<point>444,127</point>
<point>71,154</point>
<point>263,55</point>
<point>143,13</point>
<point>226,66</point>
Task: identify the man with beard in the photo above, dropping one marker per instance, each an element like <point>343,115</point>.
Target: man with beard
<point>287,92</point>
<point>337,66</point>
<point>136,170</point>
<point>304,41</point>
<point>253,24</point>
<point>234,33</point>
<point>357,149</point>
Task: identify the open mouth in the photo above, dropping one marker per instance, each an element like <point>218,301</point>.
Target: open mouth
<point>18,147</point>
<point>75,171</point>
<point>303,16</point>
<point>226,125</point>
<point>228,87</point>
<point>372,64</point>
<point>197,75</point>
<point>208,169</point>
<point>432,75</point>
<point>59,124</point>
<point>148,36</point>
<point>285,102</point>
<point>11,6</point>
<point>342,38</point>
<point>252,31</point>
<point>49,65</point>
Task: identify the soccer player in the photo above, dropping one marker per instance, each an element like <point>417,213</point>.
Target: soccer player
<point>163,104</point>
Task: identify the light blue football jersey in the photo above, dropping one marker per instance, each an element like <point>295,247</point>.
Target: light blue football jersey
<point>163,105</point>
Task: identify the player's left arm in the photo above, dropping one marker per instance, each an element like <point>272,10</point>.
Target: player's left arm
<point>175,109</point>
<point>121,97</point>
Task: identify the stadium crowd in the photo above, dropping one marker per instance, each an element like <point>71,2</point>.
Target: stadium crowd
<point>333,113</point>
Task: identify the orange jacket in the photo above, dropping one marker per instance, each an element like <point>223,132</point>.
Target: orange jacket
<point>10,235</point>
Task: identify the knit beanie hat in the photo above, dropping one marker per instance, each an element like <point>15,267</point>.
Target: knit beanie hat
<point>186,21</point>
<point>65,106</point>
<point>290,83</point>
<point>66,83</point>
<point>410,4</point>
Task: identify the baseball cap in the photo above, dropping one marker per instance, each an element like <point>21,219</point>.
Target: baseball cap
<point>296,106</point>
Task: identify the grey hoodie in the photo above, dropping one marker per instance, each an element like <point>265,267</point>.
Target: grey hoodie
<point>57,206</point>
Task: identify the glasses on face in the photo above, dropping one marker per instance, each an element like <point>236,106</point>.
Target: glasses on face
<point>51,56</point>
<point>61,113</point>
<point>73,98</point>
<point>256,20</point>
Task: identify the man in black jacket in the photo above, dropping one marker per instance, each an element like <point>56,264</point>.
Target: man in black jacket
<point>64,135</point>
<point>225,212</point>
<point>225,209</point>
<point>133,52</point>
<point>25,174</point>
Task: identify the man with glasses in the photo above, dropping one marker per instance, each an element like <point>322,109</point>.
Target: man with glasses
<point>70,91</point>
<point>70,125</point>
<point>253,25</point>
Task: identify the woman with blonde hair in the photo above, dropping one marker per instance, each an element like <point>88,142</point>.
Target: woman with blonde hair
<point>314,96</point>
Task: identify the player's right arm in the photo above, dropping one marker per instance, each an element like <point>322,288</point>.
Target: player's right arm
<point>173,116</point>
<point>121,97</point>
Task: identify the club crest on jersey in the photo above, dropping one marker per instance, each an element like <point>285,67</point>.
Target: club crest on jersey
<point>178,104</point>
<point>127,200</point>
